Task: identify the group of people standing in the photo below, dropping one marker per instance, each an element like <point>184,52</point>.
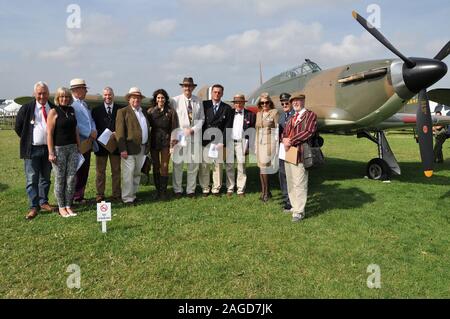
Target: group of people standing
<point>204,135</point>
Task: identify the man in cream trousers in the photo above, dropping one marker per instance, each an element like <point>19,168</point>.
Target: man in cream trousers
<point>190,113</point>
<point>132,134</point>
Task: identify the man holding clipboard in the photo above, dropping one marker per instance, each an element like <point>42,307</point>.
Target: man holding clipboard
<point>299,129</point>
<point>105,120</point>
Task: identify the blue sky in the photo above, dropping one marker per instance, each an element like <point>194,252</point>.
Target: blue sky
<point>154,44</point>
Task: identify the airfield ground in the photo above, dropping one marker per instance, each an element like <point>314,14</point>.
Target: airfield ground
<point>240,248</point>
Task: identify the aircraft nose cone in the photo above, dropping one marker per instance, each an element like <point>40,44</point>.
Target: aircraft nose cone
<point>424,74</point>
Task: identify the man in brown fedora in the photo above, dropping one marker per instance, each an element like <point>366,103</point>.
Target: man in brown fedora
<point>238,141</point>
<point>190,114</point>
<point>87,131</point>
<point>132,133</point>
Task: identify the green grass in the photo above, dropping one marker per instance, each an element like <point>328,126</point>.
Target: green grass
<point>241,248</point>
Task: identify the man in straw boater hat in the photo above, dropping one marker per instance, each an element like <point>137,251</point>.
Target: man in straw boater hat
<point>298,130</point>
<point>132,134</point>
<point>190,114</point>
<point>238,144</point>
<point>88,135</point>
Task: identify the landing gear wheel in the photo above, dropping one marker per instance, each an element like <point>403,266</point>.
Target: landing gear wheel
<point>378,169</point>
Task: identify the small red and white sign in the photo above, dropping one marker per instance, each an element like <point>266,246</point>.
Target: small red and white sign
<point>103,211</point>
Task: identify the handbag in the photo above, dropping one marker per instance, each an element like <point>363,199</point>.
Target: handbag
<point>312,156</point>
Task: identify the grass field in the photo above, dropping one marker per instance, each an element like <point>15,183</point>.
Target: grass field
<point>241,248</point>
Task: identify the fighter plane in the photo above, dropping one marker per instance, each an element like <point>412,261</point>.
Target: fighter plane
<point>363,99</point>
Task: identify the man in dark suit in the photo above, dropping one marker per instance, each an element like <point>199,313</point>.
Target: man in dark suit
<point>31,127</point>
<point>218,117</point>
<point>288,112</point>
<point>238,140</point>
<point>105,118</point>
<point>133,138</point>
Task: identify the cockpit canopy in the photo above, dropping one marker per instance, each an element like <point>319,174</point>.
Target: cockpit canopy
<point>305,68</point>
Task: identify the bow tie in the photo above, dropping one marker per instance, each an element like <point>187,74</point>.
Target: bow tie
<point>239,112</point>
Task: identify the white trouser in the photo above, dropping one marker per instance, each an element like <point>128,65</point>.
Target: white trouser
<point>239,156</point>
<point>131,175</point>
<point>297,183</point>
<point>204,176</point>
<point>190,156</point>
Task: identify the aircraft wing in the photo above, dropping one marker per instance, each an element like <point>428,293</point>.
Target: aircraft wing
<point>441,96</point>
<point>407,120</point>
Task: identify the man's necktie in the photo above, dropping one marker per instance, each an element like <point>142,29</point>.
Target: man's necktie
<point>44,113</point>
<point>215,108</point>
<point>109,111</point>
<point>189,109</point>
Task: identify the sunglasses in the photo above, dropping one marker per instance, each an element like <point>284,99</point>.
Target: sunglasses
<point>264,103</point>
<point>285,104</point>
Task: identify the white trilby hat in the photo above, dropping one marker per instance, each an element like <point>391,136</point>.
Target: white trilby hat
<point>77,83</point>
<point>134,91</point>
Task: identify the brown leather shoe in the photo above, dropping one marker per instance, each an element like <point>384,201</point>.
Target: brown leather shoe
<point>46,207</point>
<point>32,213</point>
<point>191,195</point>
<point>178,195</point>
<point>99,198</point>
<point>229,194</point>
<point>241,195</point>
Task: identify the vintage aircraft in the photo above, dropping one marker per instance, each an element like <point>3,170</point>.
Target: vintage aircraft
<point>362,98</point>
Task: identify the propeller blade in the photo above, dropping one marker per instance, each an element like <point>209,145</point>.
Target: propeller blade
<point>425,133</point>
<point>377,35</point>
<point>445,51</point>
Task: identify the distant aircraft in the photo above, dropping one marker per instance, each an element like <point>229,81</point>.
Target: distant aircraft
<point>363,99</point>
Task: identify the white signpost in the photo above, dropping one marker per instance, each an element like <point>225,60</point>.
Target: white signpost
<point>103,214</point>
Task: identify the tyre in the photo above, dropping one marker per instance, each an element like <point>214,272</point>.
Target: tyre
<point>378,169</point>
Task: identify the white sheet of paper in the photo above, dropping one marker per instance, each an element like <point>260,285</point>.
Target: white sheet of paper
<point>213,152</point>
<point>282,152</point>
<point>106,135</point>
<point>181,139</point>
<point>80,161</point>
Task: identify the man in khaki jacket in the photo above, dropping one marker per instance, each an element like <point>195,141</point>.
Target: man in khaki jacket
<point>132,133</point>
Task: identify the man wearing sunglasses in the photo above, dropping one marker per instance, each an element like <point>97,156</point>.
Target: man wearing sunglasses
<point>287,113</point>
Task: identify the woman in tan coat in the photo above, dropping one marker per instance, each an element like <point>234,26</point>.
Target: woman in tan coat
<point>266,142</point>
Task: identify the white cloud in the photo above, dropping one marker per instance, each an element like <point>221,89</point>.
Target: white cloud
<point>96,30</point>
<point>260,7</point>
<point>270,45</point>
<point>63,53</point>
<point>162,28</point>
<point>352,49</point>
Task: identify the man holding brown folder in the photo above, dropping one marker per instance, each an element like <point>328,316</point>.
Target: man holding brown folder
<point>105,118</point>
<point>298,130</point>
